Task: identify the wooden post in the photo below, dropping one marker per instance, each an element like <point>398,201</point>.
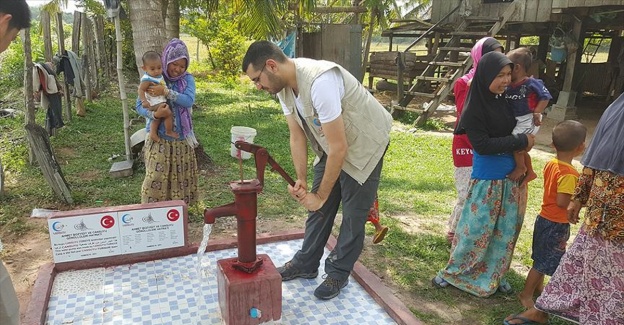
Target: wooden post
<point>542,47</point>
<point>93,56</point>
<point>61,44</point>
<point>565,106</point>
<point>122,89</point>
<point>571,60</point>
<point>86,56</point>
<point>47,35</point>
<point>76,33</point>
<point>28,86</point>
<point>102,58</point>
<point>40,142</point>
<point>400,69</point>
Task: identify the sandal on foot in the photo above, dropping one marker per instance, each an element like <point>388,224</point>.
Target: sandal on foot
<point>380,235</point>
<point>525,321</point>
<point>438,282</point>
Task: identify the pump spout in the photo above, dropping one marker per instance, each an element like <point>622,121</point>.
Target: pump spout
<point>210,215</point>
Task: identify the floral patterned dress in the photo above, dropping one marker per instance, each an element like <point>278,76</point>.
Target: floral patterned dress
<point>486,236</point>
<point>588,286</point>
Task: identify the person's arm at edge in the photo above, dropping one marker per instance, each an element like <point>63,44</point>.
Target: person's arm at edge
<point>337,142</point>
<point>299,154</point>
<point>581,194</point>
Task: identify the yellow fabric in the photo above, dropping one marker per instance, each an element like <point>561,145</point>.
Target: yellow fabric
<point>559,177</point>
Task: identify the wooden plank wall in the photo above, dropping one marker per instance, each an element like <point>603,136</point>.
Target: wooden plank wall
<point>338,43</point>
<point>439,8</point>
<point>562,4</point>
<point>532,11</point>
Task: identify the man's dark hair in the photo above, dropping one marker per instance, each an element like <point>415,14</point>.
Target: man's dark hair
<point>568,135</point>
<point>260,51</point>
<point>19,11</point>
<point>521,56</point>
<point>150,56</point>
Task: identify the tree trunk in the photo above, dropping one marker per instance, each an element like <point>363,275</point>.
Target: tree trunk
<point>172,19</point>
<point>148,28</point>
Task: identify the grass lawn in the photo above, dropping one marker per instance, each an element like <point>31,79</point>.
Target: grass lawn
<point>416,194</point>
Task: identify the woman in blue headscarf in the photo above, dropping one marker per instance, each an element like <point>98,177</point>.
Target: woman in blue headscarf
<point>170,164</point>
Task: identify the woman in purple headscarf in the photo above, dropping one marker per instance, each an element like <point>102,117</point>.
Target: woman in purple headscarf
<point>170,164</point>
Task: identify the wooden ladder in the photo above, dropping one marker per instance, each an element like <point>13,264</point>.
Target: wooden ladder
<point>448,66</point>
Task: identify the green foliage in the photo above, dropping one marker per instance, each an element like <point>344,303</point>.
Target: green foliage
<point>225,44</point>
<point>228,48</point>
<point>12,60</point>
<point>529,40</point>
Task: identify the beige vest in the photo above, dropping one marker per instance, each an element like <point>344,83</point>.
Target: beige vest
<point>367,123</point>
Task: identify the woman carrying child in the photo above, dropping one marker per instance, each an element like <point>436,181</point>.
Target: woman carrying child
<point>492,217</point>
<point>170,164</point>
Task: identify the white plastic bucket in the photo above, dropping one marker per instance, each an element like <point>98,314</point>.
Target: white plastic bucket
<point>241,133</point>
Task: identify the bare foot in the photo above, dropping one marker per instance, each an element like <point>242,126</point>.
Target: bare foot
<point>172,134</point>
<point>450,236</point>
<point>532,314</point>
<point>526,301</point>
<point>154,137</point>
<point>517,173</point>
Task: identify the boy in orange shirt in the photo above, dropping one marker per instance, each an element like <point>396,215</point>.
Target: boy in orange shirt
<point>552,229</point>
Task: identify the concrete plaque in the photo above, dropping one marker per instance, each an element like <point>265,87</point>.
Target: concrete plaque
<point>84,237</point>
<point>110,231</point>
<point>151,229</point>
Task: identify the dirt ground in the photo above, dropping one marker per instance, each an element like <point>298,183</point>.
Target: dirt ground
<point>24,256</point>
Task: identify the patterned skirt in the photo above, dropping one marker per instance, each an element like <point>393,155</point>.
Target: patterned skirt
<point>486,236</point>
<point>170,172</point>
<point>588,286</point>
<point>462,181</point>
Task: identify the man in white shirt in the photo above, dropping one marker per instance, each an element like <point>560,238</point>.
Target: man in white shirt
<point>349,131</point>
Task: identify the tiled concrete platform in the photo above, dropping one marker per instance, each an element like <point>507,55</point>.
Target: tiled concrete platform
<point>169,291</point>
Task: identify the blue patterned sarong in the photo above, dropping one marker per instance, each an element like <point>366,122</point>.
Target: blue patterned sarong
<point>486,236</point>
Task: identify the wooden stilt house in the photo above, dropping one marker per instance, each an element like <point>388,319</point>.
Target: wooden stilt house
<point>570,33</point>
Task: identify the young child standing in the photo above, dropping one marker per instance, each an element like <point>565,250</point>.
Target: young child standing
<point>152,65</point>
<point>552,229</point>
<point>528,97</point>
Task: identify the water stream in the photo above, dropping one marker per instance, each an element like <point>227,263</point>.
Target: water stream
<point>202,270</point>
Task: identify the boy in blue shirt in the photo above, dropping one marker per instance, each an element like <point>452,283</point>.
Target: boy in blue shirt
<point>528,98</point>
